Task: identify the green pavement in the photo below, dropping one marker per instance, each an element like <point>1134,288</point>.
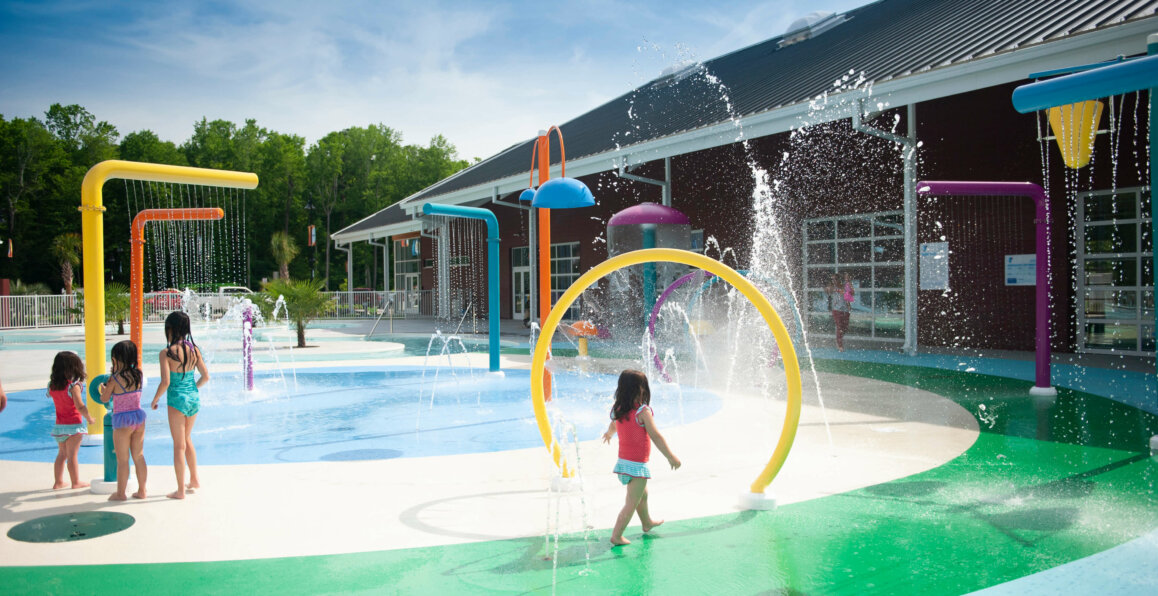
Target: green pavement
<point>1047,482</point>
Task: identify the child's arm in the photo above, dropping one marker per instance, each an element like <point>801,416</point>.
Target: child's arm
<point>660,443</point>
<point>106,391</point>
<point>164,384</point>
<point>610,432</point>
<point>77,394</point>
<point>204,378</point>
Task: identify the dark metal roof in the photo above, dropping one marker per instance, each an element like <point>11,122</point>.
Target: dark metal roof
<point>390,215</point>
<point>884,40</point>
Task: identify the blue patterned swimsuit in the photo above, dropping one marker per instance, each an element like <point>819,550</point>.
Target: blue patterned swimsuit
<point>182,394</point>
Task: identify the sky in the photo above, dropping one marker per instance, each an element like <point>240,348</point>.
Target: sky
<point>484,74</point>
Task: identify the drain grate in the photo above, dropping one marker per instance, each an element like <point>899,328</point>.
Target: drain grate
<point>69,527</point>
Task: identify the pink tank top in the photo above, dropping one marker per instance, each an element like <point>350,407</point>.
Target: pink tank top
<point>634,444</point>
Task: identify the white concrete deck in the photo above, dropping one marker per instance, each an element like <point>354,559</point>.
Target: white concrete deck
<point>880,432</point>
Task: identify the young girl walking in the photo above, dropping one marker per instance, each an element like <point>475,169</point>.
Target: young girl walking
<point>178,360</point>
<point>124,389</point>
<point>632,420</point>
<point>66,388</point>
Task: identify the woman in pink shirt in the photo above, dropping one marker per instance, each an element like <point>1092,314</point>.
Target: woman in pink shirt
<point>631,419</point>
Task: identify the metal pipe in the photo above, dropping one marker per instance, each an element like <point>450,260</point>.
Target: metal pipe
<point>92,233</point>
<point>1041,385</point>
<point>492,223</point>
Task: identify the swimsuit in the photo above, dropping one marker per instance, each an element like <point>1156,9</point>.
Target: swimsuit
<point>182,394</point>
<point>127,412</point>
<point>68,420</point>
<point>634,447</point>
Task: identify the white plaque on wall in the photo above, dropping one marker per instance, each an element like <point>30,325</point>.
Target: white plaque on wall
<point>934,265</point>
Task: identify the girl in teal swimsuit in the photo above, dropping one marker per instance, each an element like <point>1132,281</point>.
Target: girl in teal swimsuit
<point>178,360</point>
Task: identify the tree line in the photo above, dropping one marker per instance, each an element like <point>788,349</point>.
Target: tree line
<point>343,177</point>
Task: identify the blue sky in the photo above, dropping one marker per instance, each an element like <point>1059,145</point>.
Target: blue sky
<point>483,74</point>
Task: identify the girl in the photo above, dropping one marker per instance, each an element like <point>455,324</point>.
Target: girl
<point>840,297</point>
<point>128,417</point>
<point>631,418</point>
<point>178,360</point>
<point>66,388</point>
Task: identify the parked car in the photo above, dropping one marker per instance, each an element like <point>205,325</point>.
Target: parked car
<point>165,300</point>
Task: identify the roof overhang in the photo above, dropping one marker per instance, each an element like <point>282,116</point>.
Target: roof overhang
<point>927,84</point>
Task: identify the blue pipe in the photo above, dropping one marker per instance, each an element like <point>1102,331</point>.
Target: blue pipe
<point>1116,79</point>
<point>492,265</point>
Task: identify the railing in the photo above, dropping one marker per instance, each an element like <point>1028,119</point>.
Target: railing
<point>38,311</point>
<point>54,311</point>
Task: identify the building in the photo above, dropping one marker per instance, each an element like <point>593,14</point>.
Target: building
<point>942,73</point>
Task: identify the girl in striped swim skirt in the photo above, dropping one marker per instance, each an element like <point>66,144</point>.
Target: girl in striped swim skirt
<point>632,420</point>
<point>124,389</point>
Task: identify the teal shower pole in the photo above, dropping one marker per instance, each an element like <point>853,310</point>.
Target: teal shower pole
<point>492,265</point>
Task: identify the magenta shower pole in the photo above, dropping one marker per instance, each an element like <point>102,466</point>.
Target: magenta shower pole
<point>247,345</point>
<point>1041,385</point>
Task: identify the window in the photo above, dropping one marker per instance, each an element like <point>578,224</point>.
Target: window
<point>697,244</point>
<point>407,263</point>
<point>870,249</point>
<point>564,272</point>
<point>1115,282</point>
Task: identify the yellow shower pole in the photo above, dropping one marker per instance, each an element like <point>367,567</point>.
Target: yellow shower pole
<point>92,232</point>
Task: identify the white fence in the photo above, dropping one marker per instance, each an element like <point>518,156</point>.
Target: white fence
<point>56,311</point>
<point>38,311</point>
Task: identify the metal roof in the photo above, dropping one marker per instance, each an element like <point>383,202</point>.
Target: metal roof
<point>886,40</point>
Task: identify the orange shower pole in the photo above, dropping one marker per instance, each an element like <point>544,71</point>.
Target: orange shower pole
<point>136,259</point>
<point>542,149</point>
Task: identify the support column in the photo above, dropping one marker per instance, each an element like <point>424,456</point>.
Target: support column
<point>911,252</point>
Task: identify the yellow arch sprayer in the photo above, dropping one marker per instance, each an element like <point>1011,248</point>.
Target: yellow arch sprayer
<point>755,498</point>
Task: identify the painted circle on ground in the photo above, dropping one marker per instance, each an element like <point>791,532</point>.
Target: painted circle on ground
<point>671,255</point>
<point>70,527</point>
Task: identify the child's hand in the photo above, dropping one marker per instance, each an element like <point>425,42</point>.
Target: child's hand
<point>675,462</point>
<point>154,404</point>
<point>88,418</point>
<point>607,437</point>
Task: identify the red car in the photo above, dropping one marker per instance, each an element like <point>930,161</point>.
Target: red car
<point>165,300</point>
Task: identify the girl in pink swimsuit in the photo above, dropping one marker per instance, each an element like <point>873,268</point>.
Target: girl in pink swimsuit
<point>124,388</point>
<point>632,420</point>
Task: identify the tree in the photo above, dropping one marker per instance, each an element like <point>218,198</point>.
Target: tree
<point>324,164</point>
<point>30,160</point>
<point>284,249</point>
<point>67,248</point>
<point>117,304</point>
<point>304,301</point>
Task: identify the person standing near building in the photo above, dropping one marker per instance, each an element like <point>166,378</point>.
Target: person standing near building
<point>840,296</point>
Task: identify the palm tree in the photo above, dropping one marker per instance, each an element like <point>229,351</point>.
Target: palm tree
<point>304,301</point>
<point>67,249</point>
<point>284,250</point>
<point>117,304</point>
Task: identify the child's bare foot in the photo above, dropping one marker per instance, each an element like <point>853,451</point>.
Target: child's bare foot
<point>139,494</point>
<point>118,497</point>
<point>80,485</point>
<point>192,487</point>
<point>621,541</point>
<point>58,486</point>
<point>654,524</point>
<point>177,494</point>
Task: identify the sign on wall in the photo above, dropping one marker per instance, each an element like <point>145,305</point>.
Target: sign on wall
<point>934,265</point>
<point>1021,270</point>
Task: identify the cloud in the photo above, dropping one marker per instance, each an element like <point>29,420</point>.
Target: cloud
<point>485,75</point>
